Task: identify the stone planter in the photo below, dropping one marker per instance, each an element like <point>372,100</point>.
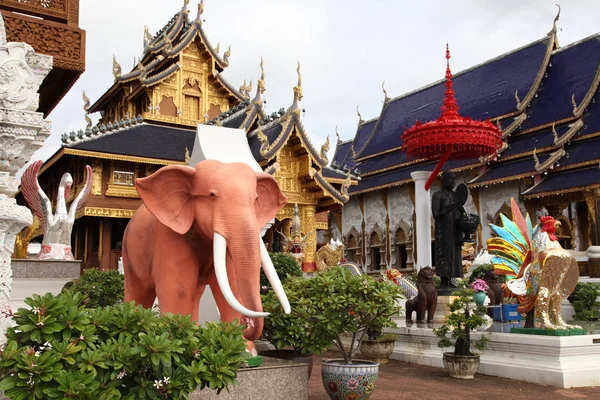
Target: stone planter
<point>461,367</point>
<point>291,356</point>
<point>377,351</point>
<point>349,381</point>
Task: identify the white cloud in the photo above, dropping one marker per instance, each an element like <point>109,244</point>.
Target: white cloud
<point>346,48</point>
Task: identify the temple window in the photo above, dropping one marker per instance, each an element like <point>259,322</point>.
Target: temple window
<point>192,100</point>
<point>375,249</point>
<point>168,107</point>
<point>351,249</point>
<point>122,178</point>
<point>401,248</point>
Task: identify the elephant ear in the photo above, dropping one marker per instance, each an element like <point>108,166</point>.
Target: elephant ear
<point>270,199</point>
<point>167,194</point>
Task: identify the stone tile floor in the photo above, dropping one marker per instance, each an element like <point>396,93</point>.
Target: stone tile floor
<point>399,380</point>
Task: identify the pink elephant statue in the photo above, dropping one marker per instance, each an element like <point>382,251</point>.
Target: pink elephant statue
<point>201,226</point>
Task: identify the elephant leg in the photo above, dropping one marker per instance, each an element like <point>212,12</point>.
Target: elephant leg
<point>143,296</point>
<point>196,302</point>
<point>176,291</point>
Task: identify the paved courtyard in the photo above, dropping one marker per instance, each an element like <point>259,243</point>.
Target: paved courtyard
<point>399,380</point>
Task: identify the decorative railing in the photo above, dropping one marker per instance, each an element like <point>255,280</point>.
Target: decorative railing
<point>65,11</point>
<point>123,178</point>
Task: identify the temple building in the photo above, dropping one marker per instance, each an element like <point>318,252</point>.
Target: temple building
<point>544,98</point>
<point>148,120</point>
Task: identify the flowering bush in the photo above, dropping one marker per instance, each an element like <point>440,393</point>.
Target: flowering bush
<point>59,349</point>
<point>285,265</point>
<point>479,285</point>
<point>99,288</point>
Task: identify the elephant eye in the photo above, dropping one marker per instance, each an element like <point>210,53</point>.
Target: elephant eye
<point>212,194</point>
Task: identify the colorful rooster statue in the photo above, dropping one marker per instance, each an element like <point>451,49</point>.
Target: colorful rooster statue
<point>539,272</point>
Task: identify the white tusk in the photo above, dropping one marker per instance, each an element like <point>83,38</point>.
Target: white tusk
<point>219,253</point>
<point>271,274</point>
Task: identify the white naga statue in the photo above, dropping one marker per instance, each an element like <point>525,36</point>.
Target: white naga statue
<point>58,226</point>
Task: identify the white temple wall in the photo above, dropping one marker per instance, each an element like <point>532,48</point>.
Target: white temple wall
<point>491,199</point>
<point>374,211</point>
<point>351,216</point>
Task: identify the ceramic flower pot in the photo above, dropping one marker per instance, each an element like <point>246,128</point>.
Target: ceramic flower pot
<point>479,297</point>
<point>380,352</point>
<point>461,367</point>
<point>349,381</point>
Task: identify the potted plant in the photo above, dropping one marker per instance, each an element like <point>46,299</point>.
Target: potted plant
<point>456,331</point>
<point>293,337</point>
<point>479,287</point>
<point>336,303</point>
<point>379,347</point>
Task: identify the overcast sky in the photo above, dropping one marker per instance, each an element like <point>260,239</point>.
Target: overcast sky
<point>346,48</point>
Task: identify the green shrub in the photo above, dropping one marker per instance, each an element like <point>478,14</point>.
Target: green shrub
<point>59,349</point>
<point>584,302</point>
<point>99,288</point>
<point>479,273</point>
<point>285,265</point>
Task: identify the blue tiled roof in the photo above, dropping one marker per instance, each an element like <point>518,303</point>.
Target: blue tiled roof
<point>363,134</point>
<point>567,180</point>
<point>591,117</point>
<point>390,178</point>
<point>581,151</point>
<point>386,160</point>
<point>571,71</point>
<point>341,152</point>
<point>535,140</point>
<point>272,133</point>
<point>509,169</point>
<point>334,173</point>
<point>482,92</point>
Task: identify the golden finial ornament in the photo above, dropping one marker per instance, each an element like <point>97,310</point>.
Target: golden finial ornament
<point>346,184</point>
<point>338,136</point>
<point>554,133</point>
<point>86,107</point>
<point>248,89</point>
<point>298,88</point>
<point>517,98</point>
<point>200,8</point>
<point>360,119</point>
<point>218,48</point>
<point>147,36</point>
<point>385,95</point>
<point>264,141</point>
<point>185,5</point>
<point>535,157</point>
<point>325,149</point>
<point>227,54</point>
<point>554,29</point>
<point>574,103</point>
<point>260,85</point>
<point>353,152</point>
<point>242,88</point>
<point>187,155</point>
<point>116,68</point>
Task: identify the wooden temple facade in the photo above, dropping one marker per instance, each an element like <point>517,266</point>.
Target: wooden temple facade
<point>148,120</point>
<point>51,27</point>
<point>545,98</point>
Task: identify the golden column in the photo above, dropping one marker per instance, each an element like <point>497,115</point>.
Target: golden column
<point>309,224</point>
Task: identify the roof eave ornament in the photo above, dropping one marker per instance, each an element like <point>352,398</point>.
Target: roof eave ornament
<point>339,141</point>
<point>386,98</point>
<point>260,85</point>
<point>298,95</point>
<point>346,185</point>
<point>226,55</point>
<point>554,28</point>
<point>200,11</point>
<point>264,142</point>
<point>147,37</point>
<point>116,68</point>
<point>324,150</point>
<point>360,118</point>
<point>86,107</point>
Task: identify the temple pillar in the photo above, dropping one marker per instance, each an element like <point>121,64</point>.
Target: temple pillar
<point>423,219</point>
<point>309,224</point>
<point>105,248</point>
<point>23,130</point>
<point>593,202</point>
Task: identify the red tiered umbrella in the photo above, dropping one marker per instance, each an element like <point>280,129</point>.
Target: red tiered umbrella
<point>451,136</point>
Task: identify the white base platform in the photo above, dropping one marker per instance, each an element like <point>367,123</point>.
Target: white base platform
<point>568,361</point>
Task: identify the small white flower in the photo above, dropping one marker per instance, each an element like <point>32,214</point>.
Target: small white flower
<point>158,384</point>
<point>48,345</point>
<point>121,374</point>
<point>35,310</point>
<point>81,337</point>
<point>37,354</point>
<point>166,380</point>
<point>40,323</point>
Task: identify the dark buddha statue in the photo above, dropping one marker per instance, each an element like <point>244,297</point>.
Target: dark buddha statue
<point>453,226</point>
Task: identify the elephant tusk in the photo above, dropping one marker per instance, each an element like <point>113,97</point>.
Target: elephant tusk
<point>271,274</point>
<point>219,252</point>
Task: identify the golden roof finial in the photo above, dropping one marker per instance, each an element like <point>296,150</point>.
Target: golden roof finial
<point>249,89</point>
<point>385,98</point>
<point>116,67</point>
<point>218,48</point>
<point>260,85</point>
<point>264,141</point>
<point>200,8</point>
<point>353,152</point>
<point>346,184</point>
<point>86,107</point>
<point>227,54</point>
<point>338,136</point>
<point>187,155</point>
<point>517,98</point>
<point>243,88</point>
<point>147,36</point>
<point>184,9</point>
<point>298,88</point>
<point>360,119</point>
<point>535,157</point>
<point>325,149</point>
<point>574,103</point>
<point>555,21</point>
